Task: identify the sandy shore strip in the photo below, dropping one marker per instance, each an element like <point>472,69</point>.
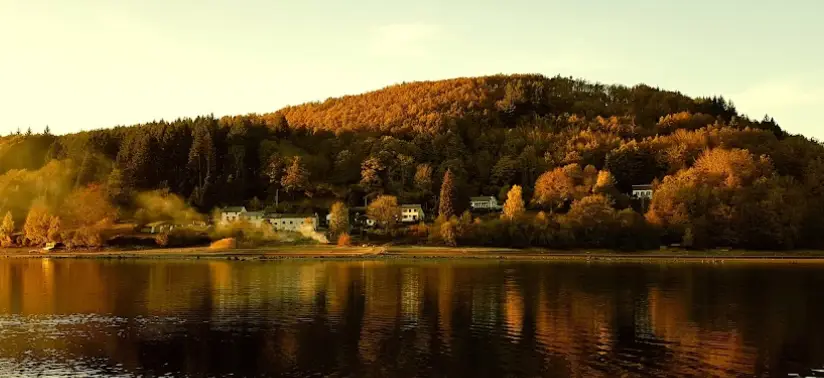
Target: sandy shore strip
<point>419,252</point>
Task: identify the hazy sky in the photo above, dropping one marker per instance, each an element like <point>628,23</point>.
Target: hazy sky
<point>86,64</point>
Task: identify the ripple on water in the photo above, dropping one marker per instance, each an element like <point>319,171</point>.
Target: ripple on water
<point>446,319</point>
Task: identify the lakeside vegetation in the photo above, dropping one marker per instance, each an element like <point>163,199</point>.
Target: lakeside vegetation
<point>561,154</point>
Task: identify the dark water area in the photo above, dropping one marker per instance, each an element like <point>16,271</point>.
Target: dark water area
<point>448,318</point>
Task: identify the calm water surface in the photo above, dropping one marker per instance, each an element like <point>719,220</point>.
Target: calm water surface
<point>409,319</point>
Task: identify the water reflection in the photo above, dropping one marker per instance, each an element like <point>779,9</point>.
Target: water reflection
<point>404,318</point>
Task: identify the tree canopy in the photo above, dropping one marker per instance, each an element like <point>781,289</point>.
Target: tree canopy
<point>561,140</point>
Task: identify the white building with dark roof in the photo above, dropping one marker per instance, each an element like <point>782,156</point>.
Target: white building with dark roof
<point>642,192</point>
<point>484,203</point>
<point>231,214</point>
<point>412,213</point>
<point>293,222</point>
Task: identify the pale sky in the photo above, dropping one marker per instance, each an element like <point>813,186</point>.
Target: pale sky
<point>87,64</point>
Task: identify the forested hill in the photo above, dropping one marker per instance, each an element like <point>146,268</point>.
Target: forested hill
<point>491,132</point>
<point>431,106</point>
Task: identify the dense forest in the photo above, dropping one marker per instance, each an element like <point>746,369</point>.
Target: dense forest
<point>569,150</point>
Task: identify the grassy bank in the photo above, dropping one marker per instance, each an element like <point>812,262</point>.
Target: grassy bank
<point>413,252</point>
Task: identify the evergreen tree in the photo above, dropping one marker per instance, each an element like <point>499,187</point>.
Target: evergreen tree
<point>446,208</point>
<point>202,154</point>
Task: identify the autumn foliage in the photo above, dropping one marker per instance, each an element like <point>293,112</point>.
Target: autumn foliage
<point>574,148</point>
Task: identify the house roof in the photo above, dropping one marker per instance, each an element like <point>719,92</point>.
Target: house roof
<point>234,209</point>
<point>482,198</point>
<point>158,223</point>
<point>412,205</point>
<point>253,213</point>
<point>642,187</point>
<point>292,216</point>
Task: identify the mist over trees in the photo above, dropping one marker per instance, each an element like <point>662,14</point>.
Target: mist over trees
<point>572,148</point>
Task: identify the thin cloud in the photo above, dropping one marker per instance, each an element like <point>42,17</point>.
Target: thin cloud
<point>406,40</point>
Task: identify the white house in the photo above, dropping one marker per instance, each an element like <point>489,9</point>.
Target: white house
<point>231,214</point>
<point>293,222</point>
<point>484,203</point>
<point>642,192</point>
<point>412,213</point>
<point>255,218</point>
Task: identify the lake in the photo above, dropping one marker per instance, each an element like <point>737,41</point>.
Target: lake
<point>409,318</point>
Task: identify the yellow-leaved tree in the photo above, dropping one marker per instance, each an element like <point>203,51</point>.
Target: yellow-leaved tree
<point>6,231</point>
<point>514,207</point>
<point>385,211</point>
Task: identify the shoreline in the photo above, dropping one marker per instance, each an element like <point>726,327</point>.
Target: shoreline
<point>420,252</point>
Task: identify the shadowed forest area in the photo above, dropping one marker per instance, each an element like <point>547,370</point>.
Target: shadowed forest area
<point>561,154</point>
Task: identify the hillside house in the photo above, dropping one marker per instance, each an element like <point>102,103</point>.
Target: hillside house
<point>411,213</point>
<point>484,203</point>
<point>642,192</point>
<point>255,218</point>
<point>293,222</point>
<point>231,214</point>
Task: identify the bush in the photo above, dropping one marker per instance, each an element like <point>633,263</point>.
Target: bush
<point>448,233</point>
<point>344,240</point>
<point>162,240</point>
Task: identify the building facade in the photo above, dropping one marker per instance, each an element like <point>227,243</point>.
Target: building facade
<point>642,192</point>
<point>484,203</point>
<point>412,213</point>
<point>231,214</point>
<point>293,222</point>
<point>255,218</point>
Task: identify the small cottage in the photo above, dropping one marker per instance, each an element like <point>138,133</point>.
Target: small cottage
<point>293,222</point>
<point>642,192</point>
<point>412,213</point>
<point>255,218</point>
<point>231,214</point>
<point>484,203</point>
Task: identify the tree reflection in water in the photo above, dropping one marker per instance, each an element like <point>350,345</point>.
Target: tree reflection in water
<point>408,318</point>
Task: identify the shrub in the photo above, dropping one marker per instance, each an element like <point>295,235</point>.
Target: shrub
<point>162,240</point>
<point>344,240</point>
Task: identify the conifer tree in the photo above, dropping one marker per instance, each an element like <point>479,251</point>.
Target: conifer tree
<point>446,208</point>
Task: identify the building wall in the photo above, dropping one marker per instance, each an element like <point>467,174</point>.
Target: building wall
<point>293,224</point>
<point>229,217</point>
<point>486,204</point>
<point>411,215</point>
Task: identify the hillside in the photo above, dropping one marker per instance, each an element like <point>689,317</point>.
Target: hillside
<point>491,132</point>
<point>499,100</point>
